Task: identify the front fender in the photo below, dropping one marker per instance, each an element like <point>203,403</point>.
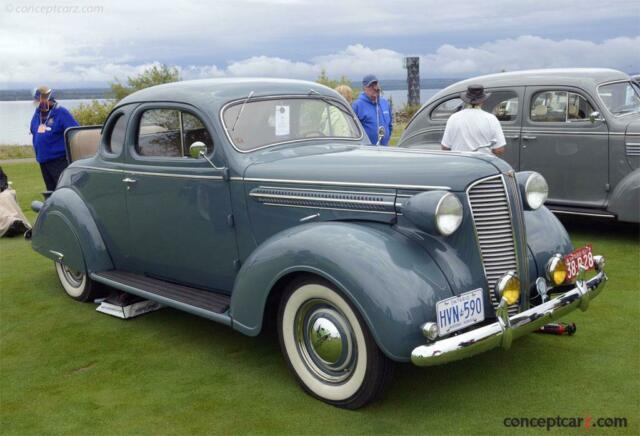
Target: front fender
<point>625,198</point>
<point>66,226</point>
<point>546,236</point>
<point>389,279</point>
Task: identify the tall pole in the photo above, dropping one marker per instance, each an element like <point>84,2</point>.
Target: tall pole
<point>412,64</point>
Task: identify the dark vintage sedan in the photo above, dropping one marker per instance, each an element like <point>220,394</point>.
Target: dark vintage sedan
<point>579,128</point>
<point>253,201</point>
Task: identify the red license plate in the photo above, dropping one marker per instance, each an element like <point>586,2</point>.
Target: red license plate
<point>580,258</point>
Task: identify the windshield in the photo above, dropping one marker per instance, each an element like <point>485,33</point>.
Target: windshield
<point>620,98</point>
<point>268,122</point>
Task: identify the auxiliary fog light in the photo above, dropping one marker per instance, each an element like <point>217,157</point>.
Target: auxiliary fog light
<point>508,287</point>
<point>430,330</point>
<point>556,270</point>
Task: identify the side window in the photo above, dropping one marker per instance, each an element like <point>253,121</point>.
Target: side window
<point>579,108</point>
<point>559,106</point>
<point>502,104</point>
<point>116,140</point>
<point>447,108</point>
<point>159,133</point>
<point>170,133</point>
<point>193,130</point>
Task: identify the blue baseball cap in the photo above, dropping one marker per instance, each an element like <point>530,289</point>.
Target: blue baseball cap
<point>42,90</point>
<point>369,79</point>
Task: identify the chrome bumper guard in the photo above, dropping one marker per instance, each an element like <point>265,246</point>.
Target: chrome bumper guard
<point>502,332</point>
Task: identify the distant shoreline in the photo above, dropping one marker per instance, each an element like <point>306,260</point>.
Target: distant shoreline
<point>104,93</point>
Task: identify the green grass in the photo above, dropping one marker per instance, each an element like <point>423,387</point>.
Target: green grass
<point>16,152</point>
<point>66,369</point>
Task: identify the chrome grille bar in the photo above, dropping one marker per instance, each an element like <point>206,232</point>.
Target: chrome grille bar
<point>494,229</point>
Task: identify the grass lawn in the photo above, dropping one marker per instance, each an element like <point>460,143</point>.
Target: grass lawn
<point>66,369</point>
<point>16,152</point>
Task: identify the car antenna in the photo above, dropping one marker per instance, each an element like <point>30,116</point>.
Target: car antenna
<point>233,128</point>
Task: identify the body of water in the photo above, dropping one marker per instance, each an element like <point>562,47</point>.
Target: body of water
<point>15,116</point>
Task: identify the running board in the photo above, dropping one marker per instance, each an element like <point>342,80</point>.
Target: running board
<point>196,301</point>
<point>566,210</point>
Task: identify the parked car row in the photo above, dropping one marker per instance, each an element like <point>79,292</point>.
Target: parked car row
<point>579,128</point>
<point>246,201</point>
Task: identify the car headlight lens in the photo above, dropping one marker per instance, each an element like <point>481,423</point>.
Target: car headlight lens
<point>508,287</point>
<point>448,214</point>
<point>536,190</point>
<point>556,270</point>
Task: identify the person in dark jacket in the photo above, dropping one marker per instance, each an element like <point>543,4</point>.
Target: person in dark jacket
<point>374,111</point>
<point>47,127</point>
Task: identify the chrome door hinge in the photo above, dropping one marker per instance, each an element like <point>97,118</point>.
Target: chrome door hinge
<point>230,220</point>
<point>237,264</point>
<point>607,187</point>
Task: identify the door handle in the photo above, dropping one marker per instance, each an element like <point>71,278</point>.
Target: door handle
<point>512,137</point>
<point>129,182</point>
<point>528,137</point>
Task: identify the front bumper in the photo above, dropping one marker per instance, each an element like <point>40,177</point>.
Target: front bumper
<point>502,332</point>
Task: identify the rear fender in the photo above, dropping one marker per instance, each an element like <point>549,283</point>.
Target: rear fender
<point>389,279</point>
<point>65,230</point>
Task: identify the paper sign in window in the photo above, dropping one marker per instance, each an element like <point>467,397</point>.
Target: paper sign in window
<point>282,120</point>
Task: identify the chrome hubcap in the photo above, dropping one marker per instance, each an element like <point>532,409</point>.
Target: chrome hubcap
<point>73,277</point>
<point>325,341</point>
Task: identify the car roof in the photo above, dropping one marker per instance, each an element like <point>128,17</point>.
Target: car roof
<point>213,93</point>
<point>582,77</point>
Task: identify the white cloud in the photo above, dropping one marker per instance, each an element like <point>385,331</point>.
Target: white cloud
<point>126,36</point>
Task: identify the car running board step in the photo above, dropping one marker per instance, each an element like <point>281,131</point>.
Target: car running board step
<point>208,304</point>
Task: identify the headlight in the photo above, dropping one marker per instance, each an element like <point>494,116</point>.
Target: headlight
<point>448,214</point>
<point>435,212</point>
<point>536,190</point>
<point>556,270</point>
<point>508,287</point>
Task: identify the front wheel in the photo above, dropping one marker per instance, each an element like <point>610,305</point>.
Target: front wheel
<point>329,347</point>
<point>76,283</point>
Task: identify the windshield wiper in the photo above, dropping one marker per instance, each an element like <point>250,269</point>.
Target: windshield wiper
<point>233,128</point>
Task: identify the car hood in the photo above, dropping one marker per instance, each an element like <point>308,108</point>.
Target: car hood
<point>374,166</point>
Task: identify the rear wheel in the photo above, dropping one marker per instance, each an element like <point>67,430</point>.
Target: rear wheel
<point>329,347</point>
<point>76,283</point>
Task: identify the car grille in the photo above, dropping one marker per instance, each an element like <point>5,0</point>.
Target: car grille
<point>494,229</point>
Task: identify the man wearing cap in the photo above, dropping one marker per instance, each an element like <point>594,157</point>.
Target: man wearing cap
<point>47,127</point>
<point>473,129</point>
<point>374,111</point>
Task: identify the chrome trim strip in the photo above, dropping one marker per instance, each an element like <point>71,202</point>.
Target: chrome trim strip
<point>330,208</point>
<point>354,184</point>
<point>326,200</point>
<point>330,191</point>
<point>564,132</point>
<point>149,173</point>
<point>570,212</point>
<point>282,97</point>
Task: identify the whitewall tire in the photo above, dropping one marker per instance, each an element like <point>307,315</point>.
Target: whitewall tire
<point>76,283</point>
<point>329,347</point>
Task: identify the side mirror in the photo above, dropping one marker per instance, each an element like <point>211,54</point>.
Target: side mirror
<point>595,116</point>
<point>197,149</point>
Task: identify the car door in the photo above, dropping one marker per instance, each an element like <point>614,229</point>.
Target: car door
<point>179,206</point>
<point>561,143</point>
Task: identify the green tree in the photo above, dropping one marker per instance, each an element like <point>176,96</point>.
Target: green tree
<point>324,79</point>
<point>96,112</point>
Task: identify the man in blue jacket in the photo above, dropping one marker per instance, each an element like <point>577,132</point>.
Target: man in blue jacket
<point>47,127</point>
<point>374,111</point>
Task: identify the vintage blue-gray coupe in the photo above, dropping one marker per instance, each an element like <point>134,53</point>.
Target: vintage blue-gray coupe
<point>255,201</point>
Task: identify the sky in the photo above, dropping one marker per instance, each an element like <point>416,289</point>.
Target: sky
<point>89,43</point>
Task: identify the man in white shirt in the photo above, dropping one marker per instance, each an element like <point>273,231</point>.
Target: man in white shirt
<point>473,129</point>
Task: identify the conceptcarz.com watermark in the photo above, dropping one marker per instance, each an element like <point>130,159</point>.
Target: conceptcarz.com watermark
<point>553,422</point>
<point>53,9</point>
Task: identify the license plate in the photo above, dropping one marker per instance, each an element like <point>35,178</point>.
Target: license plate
<point>582,257</point>
<point>458,312</point>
